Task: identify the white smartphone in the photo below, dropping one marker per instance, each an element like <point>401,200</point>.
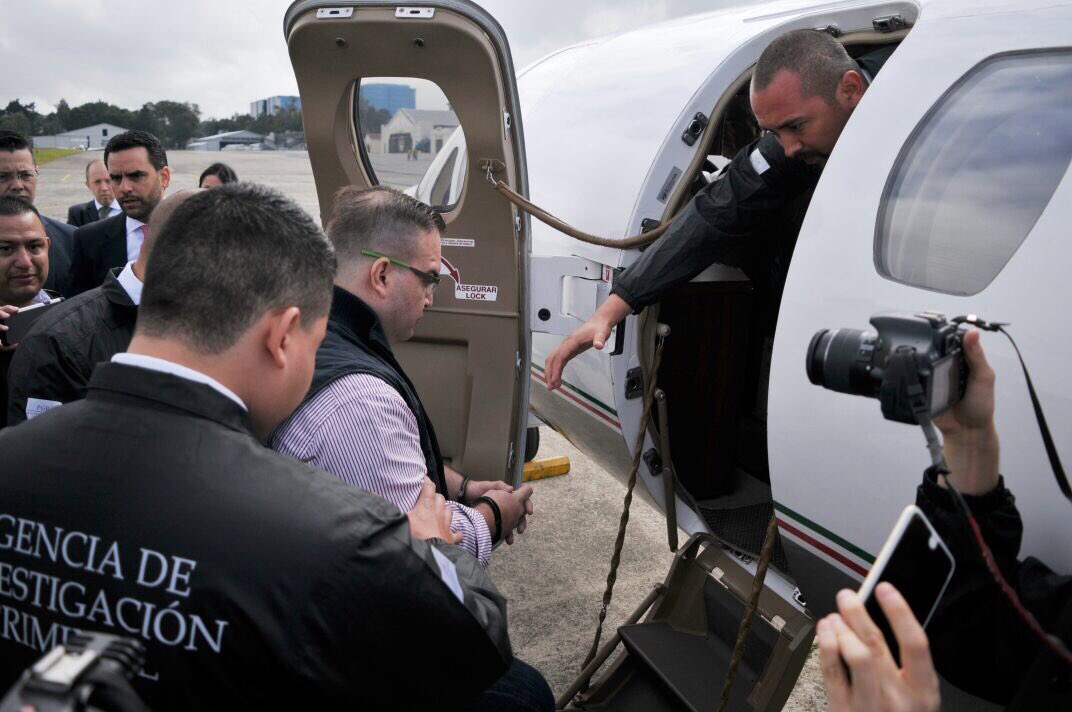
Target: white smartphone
<point>917,563</point>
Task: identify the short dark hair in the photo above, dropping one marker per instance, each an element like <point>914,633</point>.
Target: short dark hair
<point>222,171</point>
<point>814,55</point>
<point>11,205</point>
<point>134,139</point>
<point>380,219</point>
<point>11,141</point>
<point>226,257</point>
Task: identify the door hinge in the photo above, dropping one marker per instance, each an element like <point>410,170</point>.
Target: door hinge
<point>889,23</point>
<point>694,129</point>
<point>507,122</point>
<point>654,462</point>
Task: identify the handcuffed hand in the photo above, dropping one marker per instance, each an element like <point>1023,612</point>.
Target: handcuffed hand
<point>515,507</point>
<point>478,488</point>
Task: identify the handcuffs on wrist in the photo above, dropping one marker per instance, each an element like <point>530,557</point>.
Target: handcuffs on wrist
<point>496,513</point>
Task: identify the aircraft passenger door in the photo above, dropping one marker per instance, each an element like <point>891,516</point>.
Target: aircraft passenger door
<point>422,98</point>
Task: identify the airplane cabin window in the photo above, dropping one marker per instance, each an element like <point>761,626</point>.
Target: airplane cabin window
<point>977,173</point>
<point>410,138</point>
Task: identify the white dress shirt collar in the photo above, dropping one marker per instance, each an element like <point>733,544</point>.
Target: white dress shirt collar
<point>153,363</point>
<point>134,238</point>
<point>114,207</point>
<point>131,284</point>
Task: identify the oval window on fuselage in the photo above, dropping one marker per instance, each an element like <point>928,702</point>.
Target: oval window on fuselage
<point>976,174</point>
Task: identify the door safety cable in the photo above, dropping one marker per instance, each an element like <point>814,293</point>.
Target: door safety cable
<point>522,203</point>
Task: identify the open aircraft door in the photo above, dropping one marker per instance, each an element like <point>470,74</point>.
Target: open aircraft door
<point>388,94</point>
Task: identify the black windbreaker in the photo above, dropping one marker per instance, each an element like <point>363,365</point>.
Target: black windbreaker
<point>256,581</point>
<point>55,360</point>
<point>978,642</point>
<point>724,221</point>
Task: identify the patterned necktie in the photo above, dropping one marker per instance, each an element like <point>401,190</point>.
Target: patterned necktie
<point>103,211</point>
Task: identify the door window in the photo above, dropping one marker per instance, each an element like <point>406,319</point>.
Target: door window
<point>409,137</point>
<point>977,173</point>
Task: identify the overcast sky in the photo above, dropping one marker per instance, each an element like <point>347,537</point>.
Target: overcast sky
<point>223,54</point>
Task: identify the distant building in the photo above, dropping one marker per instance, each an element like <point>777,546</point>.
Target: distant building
<point>424,130</point>
<point>373,144</point>
<point>390,97</point>
<point>273,105</point>
<point>95,136</point>
<point>220,141</point>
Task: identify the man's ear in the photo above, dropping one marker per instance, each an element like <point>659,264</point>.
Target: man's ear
<point>279,337</point>
<point>850,89</point>
<point>378,276</point>
<point>165,176</point>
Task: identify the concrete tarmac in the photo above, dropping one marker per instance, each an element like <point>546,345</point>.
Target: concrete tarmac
<point>554,575</point>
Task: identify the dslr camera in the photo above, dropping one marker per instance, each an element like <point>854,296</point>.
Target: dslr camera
<point>913,363</point>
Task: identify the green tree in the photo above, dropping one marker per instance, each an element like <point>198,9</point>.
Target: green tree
<point>370,119</point>
<point>63,115</point>
<point>17,122</point>
<point>174,123</point>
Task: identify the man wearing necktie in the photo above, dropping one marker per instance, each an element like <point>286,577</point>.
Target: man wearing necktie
<point>103,205</point>
<point>139,174</point>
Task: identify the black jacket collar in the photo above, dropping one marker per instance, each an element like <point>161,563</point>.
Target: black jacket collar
<point>114,291</point>
<point>116,381</point>
<point>350,313</point>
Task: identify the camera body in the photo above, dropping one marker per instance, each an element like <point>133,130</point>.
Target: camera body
<point>913,363</point>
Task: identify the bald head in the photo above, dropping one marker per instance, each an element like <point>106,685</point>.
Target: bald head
<point>160,215</point>
<point>99,183</point>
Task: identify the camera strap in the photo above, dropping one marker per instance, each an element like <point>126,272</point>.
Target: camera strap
<point>1044,429</point>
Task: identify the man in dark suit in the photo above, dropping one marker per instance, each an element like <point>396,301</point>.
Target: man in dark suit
<point>137,167</point>
<point>103,205</point>
<point>18,178</point>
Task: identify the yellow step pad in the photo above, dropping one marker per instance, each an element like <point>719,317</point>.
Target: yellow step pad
<point>547,467</point>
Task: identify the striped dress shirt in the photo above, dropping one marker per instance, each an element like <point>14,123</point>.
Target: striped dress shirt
<point>361,430</point>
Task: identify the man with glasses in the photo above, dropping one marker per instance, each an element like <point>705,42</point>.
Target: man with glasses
<point>362,419</point>
<point>18,179</point>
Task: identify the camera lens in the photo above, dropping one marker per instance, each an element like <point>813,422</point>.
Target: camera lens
<point>841,360</point>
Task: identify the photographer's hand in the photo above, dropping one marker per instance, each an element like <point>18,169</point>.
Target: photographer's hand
<point>5,312</point>
<point>877,684</point>
<point>970,439</point>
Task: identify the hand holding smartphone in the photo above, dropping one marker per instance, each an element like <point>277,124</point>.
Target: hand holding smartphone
<point>917,563</point>
<point>19,323</point>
